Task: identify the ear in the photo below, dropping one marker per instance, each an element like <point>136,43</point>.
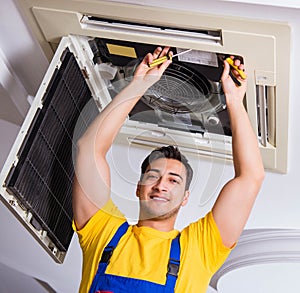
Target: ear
<point>185,198</point>
<point>138,189</point>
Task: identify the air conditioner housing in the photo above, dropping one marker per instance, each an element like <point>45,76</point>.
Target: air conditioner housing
<point>263,45</point>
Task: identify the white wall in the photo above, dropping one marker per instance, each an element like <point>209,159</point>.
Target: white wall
<point>8,284</point>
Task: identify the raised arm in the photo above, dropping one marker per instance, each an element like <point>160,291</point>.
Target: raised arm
<point>91,188</point>
<point>237,197</point>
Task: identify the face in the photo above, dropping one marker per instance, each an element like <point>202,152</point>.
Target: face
<point>162,189</point>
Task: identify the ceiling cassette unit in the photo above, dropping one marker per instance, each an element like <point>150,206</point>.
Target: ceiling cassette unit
<point>187,106</point>
<point>94,48</point>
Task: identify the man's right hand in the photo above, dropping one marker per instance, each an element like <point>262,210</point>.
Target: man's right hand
<point>145,76</point>
<point>92,186</point>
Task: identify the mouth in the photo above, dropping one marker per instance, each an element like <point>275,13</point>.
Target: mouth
<point>159,198</point>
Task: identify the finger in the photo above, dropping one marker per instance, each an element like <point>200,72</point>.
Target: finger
<point>240,73</point>
<point>237,62</point>
<point>164,66</point>
<point>239,69</point>
<point>148,59</point>
<point>226,70</point>
<point>165,51</point>
<point>157,52</point>
<point>237,74</point>
<point>242,67</point>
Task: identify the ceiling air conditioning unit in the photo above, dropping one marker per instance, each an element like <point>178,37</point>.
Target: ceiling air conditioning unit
<point>95,47</point>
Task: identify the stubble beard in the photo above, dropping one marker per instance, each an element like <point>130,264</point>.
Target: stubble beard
<point>147,213</point>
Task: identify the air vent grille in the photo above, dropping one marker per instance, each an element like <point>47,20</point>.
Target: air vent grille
<point>42,179</point>
<point>266,107</point>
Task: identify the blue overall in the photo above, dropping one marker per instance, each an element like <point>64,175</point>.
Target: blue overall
<point>106,283</point>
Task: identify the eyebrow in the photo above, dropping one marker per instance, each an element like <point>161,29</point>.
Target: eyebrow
<point>170,173</point>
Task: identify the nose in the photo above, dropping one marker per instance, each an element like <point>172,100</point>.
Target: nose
<point>160,185</point>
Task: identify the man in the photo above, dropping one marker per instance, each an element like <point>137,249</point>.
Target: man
<point>151,256</point>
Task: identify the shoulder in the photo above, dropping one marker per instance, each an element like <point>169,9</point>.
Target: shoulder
<point>203,232</point>
<point>202,240</point>
<point>105,221</point>
<point>204,223</point>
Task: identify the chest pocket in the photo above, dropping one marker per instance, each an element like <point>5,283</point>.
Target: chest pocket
<point>106,283</point>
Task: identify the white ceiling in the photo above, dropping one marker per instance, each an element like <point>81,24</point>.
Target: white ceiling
<point>277,206</point>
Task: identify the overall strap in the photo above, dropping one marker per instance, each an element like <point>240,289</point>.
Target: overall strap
<point>173,265</point>
<point>107,253</point>
<point>108,250</point>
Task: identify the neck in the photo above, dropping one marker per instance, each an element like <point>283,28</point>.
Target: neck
<point>164,225</point>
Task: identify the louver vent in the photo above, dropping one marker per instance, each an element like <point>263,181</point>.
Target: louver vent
<point>42,178</point>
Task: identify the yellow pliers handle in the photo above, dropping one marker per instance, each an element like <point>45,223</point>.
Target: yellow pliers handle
<point>241,72</point>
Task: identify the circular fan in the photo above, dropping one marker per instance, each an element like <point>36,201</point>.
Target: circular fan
<point>181,90</point>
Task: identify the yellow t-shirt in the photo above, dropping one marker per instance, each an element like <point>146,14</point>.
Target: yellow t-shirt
<point>143,252</point>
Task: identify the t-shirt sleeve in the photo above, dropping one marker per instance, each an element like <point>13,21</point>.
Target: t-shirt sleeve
<point>205,235</point>
<point>100,225</point>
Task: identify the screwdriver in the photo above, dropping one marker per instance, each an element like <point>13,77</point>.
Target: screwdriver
<point>165,58</point>
<point>241,72</point>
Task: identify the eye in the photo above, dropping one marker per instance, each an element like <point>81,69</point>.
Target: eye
<point>152,177</point>
<point>174,180</point>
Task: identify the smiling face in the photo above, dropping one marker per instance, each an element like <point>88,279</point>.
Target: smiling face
<point>162,190</point>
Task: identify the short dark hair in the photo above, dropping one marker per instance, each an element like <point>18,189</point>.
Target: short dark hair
<point>168,152</point>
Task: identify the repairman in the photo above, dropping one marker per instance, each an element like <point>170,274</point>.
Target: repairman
<point>152,256</point>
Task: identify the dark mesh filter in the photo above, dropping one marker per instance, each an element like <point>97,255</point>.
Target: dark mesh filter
<point>42,179</point>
